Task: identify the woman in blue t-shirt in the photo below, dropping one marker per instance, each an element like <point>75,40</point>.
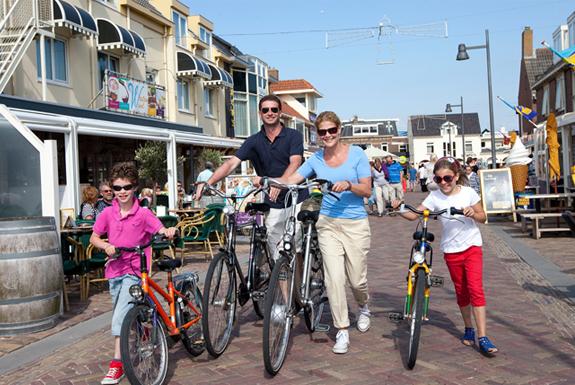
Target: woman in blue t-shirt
<point>343,227</point>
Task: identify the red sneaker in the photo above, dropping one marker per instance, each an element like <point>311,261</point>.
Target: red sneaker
<point>115,373</point>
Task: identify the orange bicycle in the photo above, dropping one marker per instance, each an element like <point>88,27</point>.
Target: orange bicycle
<point>143,342</point>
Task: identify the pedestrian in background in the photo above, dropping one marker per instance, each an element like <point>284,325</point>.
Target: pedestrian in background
<point>381,185</point>
<point>461,244</point>
<point>422,174</point>
<point>412,177</point>
<point>395,172</point>
<point>125,224</point>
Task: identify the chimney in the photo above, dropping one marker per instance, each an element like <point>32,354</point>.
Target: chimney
<point>274,73</point>
<point>527,42</point>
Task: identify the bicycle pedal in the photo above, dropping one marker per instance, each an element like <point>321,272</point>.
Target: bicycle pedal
<point>396,316</point>
<point>324,328</point>
<point>436,281</point>
<point>258,295</point>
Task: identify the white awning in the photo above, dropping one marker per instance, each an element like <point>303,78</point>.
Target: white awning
<point>75,18</point>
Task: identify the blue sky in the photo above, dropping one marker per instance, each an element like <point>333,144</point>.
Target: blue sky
<point>425,75</point>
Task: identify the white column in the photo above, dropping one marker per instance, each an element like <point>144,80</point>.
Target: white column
<point>172,163</point>
<point>72,190</point>
<point>49,180</point>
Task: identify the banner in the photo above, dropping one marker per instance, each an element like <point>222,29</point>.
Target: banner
<point>124,94</point>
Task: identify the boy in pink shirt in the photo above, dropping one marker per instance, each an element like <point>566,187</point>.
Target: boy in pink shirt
<point>125,224</point>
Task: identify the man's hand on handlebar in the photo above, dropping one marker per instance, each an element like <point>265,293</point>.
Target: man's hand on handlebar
<point>199,189</point>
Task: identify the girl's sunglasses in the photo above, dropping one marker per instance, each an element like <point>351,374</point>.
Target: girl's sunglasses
<point>446,178</point>
<point>331,130</point>
<point>127,187</point>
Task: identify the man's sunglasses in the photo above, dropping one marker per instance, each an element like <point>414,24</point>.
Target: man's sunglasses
<point>446,178</point>
<point>265,110</point>
<point>331,130</point>
<point>127,187</point>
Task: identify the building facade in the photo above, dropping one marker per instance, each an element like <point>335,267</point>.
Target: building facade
<point>379,133</point>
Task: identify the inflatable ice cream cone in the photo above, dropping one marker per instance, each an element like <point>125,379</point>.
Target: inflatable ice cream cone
<point>518,161</point>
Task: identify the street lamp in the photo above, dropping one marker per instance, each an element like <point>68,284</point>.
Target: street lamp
<point>448,109</point>
<point>462,55</point>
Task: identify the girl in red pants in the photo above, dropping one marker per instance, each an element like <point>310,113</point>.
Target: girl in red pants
<point>461,244</point>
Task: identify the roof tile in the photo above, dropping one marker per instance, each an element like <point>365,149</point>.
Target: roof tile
<point>292,85</point>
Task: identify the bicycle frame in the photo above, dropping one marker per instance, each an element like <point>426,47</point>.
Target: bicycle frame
<point>424,247</point>
<point>149,286</point>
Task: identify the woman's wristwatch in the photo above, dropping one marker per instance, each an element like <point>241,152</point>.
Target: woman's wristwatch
<point>348,185</point>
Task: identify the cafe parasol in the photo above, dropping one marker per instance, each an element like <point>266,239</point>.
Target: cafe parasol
<point>553,147</point>
<point>374,152</point>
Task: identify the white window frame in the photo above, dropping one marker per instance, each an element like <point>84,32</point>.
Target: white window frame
<point>183,97</point>
<point>545,101</point>
<point>403,148</point>
<point>571,27</point>
<point>209,102</point>
<point>430,148</point>
<point>560,93</point>
<point>206,39</point>
<point>384,146</point>
<point>364,130</point>
<point>468,146</point>
<point>179,35</point>
<point>50,56</point>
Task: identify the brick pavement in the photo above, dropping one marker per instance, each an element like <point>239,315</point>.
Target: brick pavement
<point>530,324</point>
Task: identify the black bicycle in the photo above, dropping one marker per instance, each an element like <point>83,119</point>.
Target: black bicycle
<point>282,294</point>
<point>419,279</point>
<point>220,288</point>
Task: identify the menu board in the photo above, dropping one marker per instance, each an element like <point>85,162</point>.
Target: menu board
<point>497,191</point>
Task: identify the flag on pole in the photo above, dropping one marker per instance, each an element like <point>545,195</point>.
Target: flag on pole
<point>567,55</point>
<point>526,112</point>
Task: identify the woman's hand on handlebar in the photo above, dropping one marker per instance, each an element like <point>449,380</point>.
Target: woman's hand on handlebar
<point>468,211</point>
<point>395,203</point>
<point>341,186</point>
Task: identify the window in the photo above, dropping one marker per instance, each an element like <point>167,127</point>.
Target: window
<point>152,75</point>
<point>545,101</point>
<point>254,115</point>
<point>571,27</point>
<point>181,28</point>
<point>403,148</point>
<point>183,95</point>
<point>301,100</point>
<point>468,146</point>
<point>429,147</point>
<point>106,62</point>
<point>560,93</point>
<point>312,106</point>
<point>240,114</point>
<point>56,60</point>
<point>209,100</point>
<point>206,37</point>
<point>573,90</point>
<point>384,146</point>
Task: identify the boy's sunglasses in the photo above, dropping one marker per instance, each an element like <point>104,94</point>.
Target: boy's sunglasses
<point>331,130</point>
<point>265,110</point>
<point>446,178</point>
<point>127,187</point>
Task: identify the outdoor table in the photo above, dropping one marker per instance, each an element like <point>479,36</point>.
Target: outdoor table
<point>543,201</point>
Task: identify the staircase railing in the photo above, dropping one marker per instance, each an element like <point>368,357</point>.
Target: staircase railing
<point>20,21</point>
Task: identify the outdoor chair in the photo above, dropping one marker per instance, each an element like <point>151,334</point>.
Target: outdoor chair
<point>198,233</point>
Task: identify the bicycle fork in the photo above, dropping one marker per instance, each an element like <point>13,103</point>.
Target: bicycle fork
<point>305,281</point>
<point>411,276</point>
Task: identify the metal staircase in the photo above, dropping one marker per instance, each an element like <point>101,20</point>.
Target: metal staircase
<point>20,21</point>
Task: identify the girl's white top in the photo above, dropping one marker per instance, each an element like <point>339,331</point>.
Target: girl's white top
<point>459,232</point>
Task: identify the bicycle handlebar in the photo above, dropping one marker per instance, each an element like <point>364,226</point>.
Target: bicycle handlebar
<point>324,184</point>
<point>155,239</point>
<point>451,211</point>
<point>208,187</point>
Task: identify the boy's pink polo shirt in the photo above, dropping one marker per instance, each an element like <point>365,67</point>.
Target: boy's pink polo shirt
<point>134,229</point>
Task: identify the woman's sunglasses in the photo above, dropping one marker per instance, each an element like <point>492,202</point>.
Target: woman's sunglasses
<point>331,130</point>
<point>265,110</point>
<point>446,178</point>
<point>127,187</point>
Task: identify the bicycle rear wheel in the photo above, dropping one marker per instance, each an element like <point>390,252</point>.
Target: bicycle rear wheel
<point>277,318</point>
<point>313,312</point>
<point>262,274</point>
<point>219,305</point>
<point>192,337</point>
<point>144,347</point>
<point>416,317</point>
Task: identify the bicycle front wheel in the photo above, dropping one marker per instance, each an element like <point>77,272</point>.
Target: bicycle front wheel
<point>277,317</point>
<point>192,337</point>
<point>313,312</point>
<point>219,305</point>
<point>262,274</point>
<point>416,317</point>
<point>144,347</point>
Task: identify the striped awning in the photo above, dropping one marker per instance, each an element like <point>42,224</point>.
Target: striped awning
<point>190,65</point>
<point>114,36</point>
<point>75,18</point>
<point>220,77</point>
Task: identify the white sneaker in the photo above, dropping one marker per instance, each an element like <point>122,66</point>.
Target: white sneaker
<point>363,320</point>
<point>341,342</point>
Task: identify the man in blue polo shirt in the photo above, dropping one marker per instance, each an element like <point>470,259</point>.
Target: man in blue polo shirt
<point>275,151</point>
<point>395,171</point>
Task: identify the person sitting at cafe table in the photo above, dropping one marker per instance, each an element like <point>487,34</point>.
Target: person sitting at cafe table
<point>89,201</point>
<point>106,198</point>
<point>146,197</point>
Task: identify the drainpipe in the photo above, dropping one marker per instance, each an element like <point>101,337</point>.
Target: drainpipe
<point>43,66</point>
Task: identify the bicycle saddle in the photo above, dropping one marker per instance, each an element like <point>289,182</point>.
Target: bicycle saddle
<point>417,236</point>
<point>258,207</point>
<point>307,215</point>
<point>168,264</point>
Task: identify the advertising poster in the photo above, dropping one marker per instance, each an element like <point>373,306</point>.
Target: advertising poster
<point>131,96</point>
<point>497,191</point>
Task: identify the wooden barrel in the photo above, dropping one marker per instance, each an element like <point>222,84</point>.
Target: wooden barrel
<point>31,275</point>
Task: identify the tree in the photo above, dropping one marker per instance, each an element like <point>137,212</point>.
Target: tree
<point>153,165</point>
<point>210,155</point>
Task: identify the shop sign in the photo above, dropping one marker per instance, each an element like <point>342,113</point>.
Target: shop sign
<point>131,96</point>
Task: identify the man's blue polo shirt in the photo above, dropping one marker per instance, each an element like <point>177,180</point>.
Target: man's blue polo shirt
<point>272,158</point>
